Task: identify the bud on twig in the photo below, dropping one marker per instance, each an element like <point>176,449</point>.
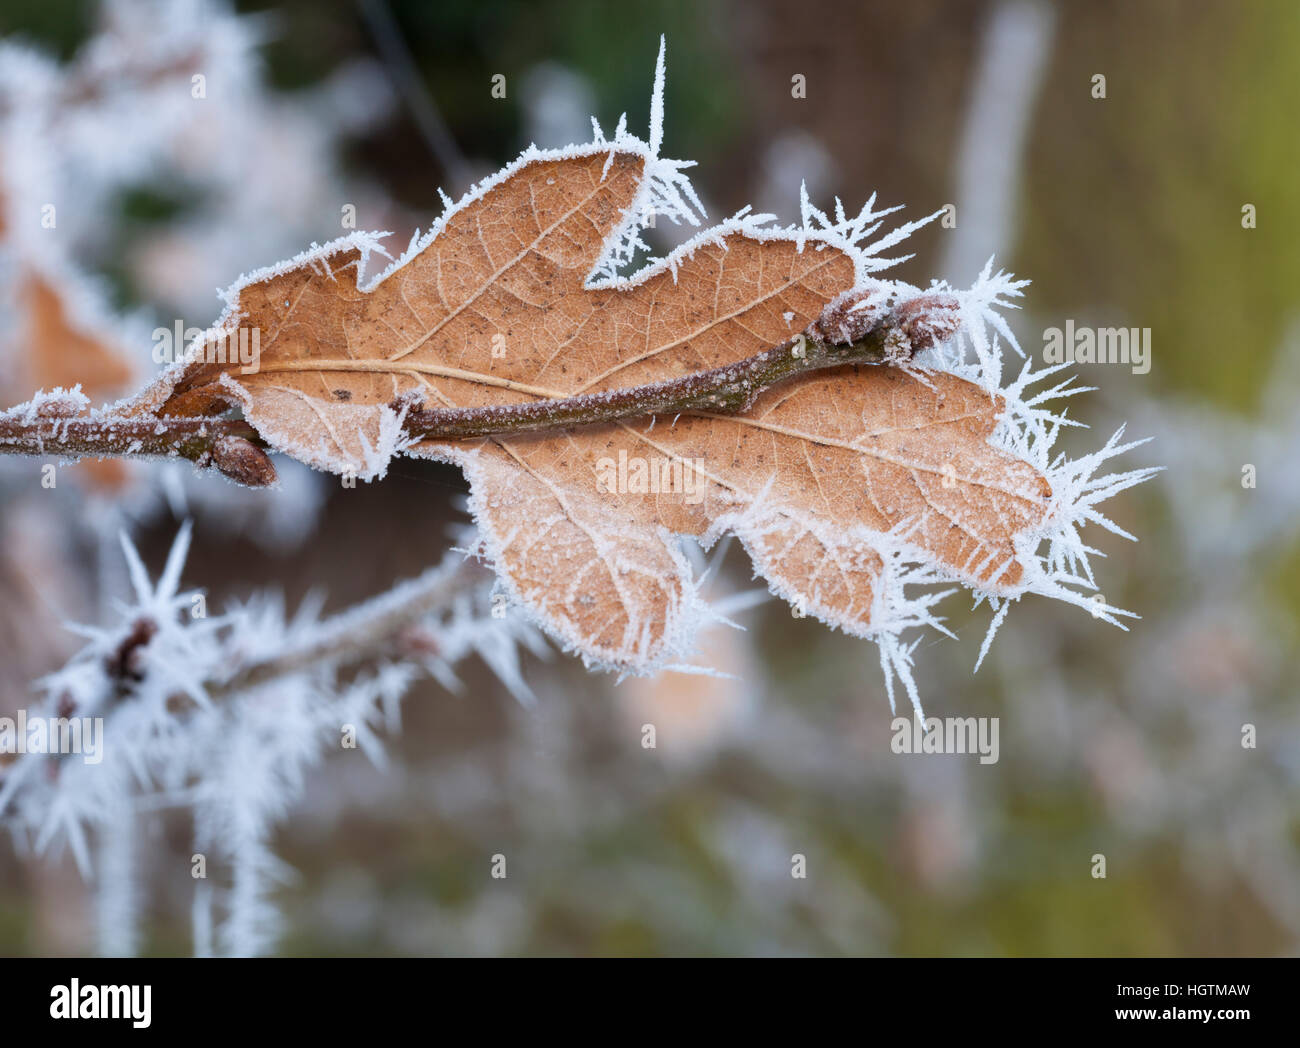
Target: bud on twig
<point>243,462</point>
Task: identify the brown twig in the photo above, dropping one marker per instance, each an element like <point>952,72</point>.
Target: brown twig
<point>231,446</point>
<point>234,448</point>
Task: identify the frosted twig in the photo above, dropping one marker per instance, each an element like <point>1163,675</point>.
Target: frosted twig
<point>364,629</point>
<point>234,449</point>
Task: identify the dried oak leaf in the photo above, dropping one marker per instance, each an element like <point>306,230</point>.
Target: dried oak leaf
<point>58,350</point>
<point>53,346</point>
<point>819,479</point>
<point>63,353</point>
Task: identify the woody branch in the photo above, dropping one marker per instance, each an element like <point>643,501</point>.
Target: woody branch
<point>842,335</point>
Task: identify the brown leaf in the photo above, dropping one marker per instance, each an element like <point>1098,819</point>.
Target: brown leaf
<point>495,310</point>
<point>808,479</point>
<point>506,274</point>
<point>52,349</point>
<point>57,351</point>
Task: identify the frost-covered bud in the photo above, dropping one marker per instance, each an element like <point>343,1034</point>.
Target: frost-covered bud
<point>125,663</point>
<point>928,320</point>
<point>54,404</point>
<point>912,325</point>
<point>850,316</point>
<point>61,403</point>
<point>243,462</point>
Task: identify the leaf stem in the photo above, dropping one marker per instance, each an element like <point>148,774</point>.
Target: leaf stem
<point>234,448</point>
<point>729,389</point>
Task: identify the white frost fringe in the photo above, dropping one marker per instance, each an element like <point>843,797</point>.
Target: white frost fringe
<point>1054,558</point>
